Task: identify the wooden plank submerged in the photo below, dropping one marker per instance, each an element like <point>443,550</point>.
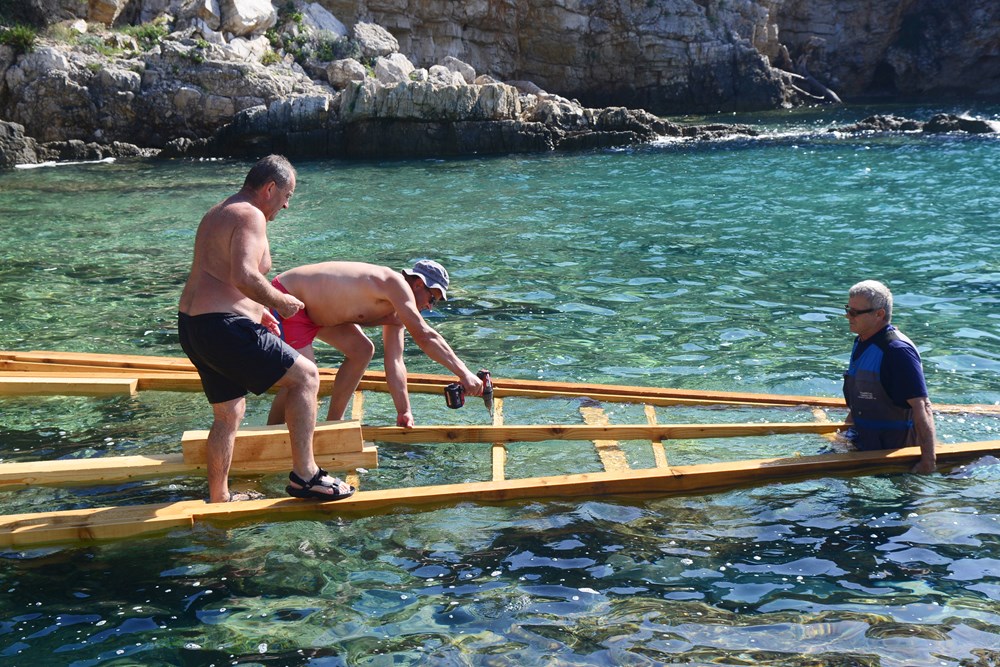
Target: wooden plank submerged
<point>107,523</point>
<point>498,450</point>
<point>609,451</point>
<point>659,453</point>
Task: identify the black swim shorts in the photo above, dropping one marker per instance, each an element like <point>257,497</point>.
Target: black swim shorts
<point>233,354</point>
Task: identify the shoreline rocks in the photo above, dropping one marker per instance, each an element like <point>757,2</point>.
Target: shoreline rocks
<point>200,78</point>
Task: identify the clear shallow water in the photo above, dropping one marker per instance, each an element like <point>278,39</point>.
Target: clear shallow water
<point>718,266</point>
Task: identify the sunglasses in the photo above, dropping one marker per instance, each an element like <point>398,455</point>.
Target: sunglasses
<point>434,299</point>
<point>854,312</point>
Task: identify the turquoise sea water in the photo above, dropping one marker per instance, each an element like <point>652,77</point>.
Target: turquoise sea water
<point>706,266</point>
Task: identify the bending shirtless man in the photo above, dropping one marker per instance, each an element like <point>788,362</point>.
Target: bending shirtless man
<point>229,334</point>
<point>342,297</point>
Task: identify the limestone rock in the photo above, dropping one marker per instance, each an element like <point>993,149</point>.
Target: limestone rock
<point>467,71</point>
<point>318,18</point>
<point>207,12</point>
<point>442,76</point>
<point>939,123</point>
<point>374,40</point>
<point>15,148</point>
<point>426,101</point>
<point>392,69</point>
<point>881,123</point>
<point>246,17</point>
<point>248,50</point>
<point>951,123</point>
<point>340,72</point>
<point>104,11</point>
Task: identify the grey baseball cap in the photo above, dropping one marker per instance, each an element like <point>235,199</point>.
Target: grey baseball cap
<point>433,274</point>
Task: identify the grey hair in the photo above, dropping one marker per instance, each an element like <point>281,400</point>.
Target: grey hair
<point>877,294</point>
<point>275,168</point>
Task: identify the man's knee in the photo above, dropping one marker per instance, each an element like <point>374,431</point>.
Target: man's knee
<point>302,376</point>
<point>229,413</point>
<point>361,350</point>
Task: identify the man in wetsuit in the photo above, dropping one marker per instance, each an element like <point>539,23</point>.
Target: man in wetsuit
<point>230,336</point>
<point>884,384</point>
<point>342,297</point>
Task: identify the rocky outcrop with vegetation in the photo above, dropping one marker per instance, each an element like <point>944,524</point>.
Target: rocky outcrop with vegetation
<point>431,77</point>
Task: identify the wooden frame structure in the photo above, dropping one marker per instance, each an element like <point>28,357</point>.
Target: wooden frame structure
<point>346,445</point>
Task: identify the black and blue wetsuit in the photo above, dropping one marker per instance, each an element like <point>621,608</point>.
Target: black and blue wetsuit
<point>884,373</point>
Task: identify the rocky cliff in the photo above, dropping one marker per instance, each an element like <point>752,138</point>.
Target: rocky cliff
<point>410,77</point>
<point>678,56</point>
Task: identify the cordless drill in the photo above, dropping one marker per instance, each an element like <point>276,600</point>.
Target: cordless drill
<point>454,393</point>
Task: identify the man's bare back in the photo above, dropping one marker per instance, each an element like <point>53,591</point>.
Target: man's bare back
<point>342,297</point>
<point>210,287</point>
<point>346,292</point>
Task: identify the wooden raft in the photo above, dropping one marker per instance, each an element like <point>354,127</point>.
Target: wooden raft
<point>342,446</point>
<point>108,523</point>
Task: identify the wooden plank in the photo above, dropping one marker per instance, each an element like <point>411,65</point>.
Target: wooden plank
<point>611,454</point>
<point>358,406</point>
<point>94,470</point>
<point>659,453</point>
<point>426,382</point>
<point>85,526</point>
<point>499,450</point>
<point>536,433</point>
<point>146,380</point>
<point>42,368</point>
<point>63,386</point>
<point>81,472</point>
<point>622,395</point>
<point>269,443</point>
<point>103,360</point>
<point>90,525</point>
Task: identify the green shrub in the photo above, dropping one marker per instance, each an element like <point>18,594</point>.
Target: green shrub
<point>147,35</point>
<point>95,44</point>
<point>270,58</point>
<point>21,38</point>
<point>329,48</point>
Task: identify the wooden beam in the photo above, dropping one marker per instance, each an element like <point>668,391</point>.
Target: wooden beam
<point>146,380</point>
<point>536,433</point>
<point>426,382</point>
<point>358,406</point>
<point>95,470</point>
<point>89,525</point>
<point>106,523</point>
<point>499,450</point>
<point>63,386</point>
<point>611,454</point>
<point>659,453</point>
<point>81,472</point>
<point>269,443</point>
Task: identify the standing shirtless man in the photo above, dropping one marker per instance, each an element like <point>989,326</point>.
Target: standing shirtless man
<point>229,334</point>
<point>342,297</point>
